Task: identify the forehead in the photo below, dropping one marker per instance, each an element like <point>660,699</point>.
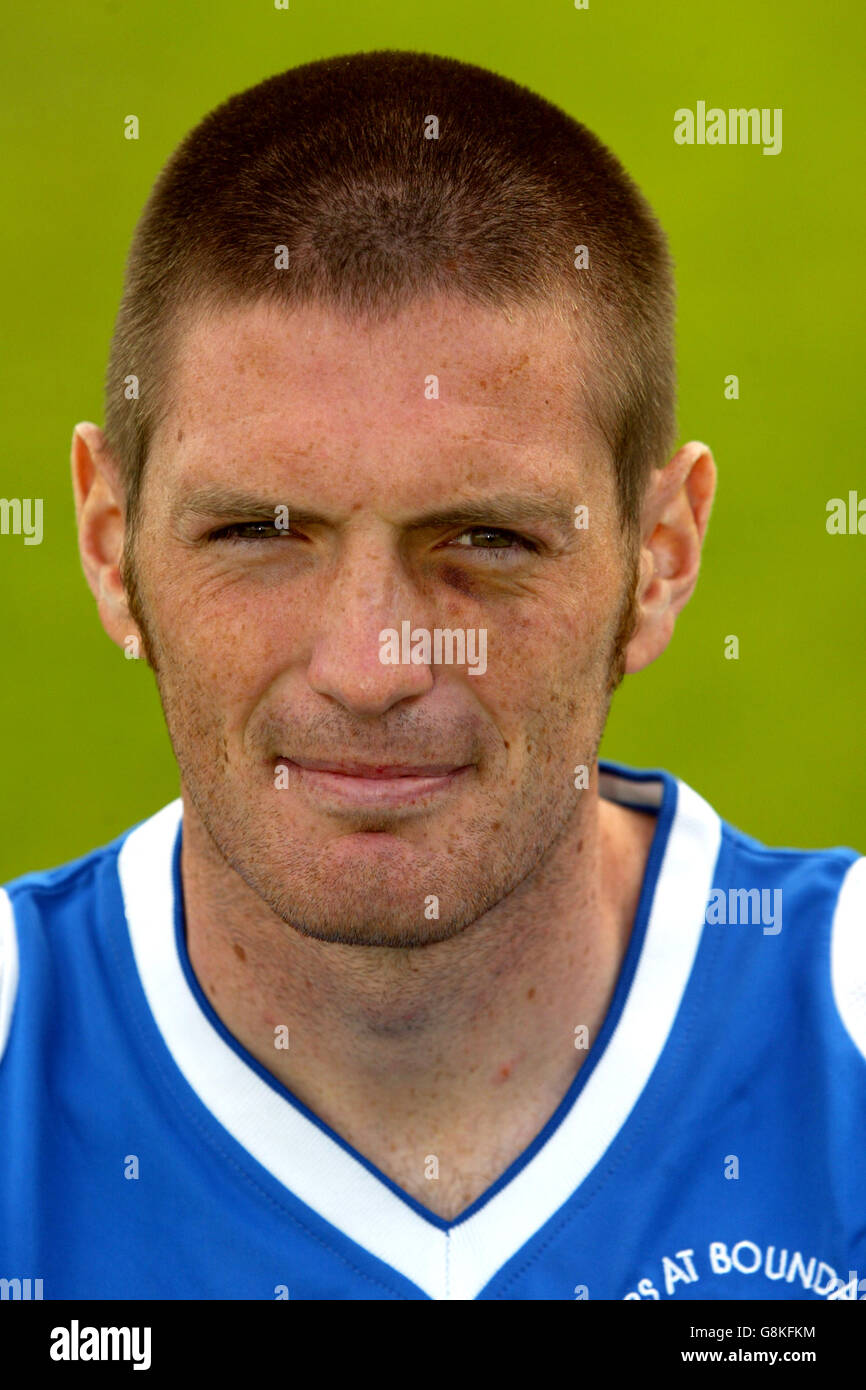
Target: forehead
<point>438,381</point>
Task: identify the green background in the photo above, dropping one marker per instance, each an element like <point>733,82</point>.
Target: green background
<point>768,253</point>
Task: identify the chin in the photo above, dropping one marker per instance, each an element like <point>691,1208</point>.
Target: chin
<point>395,933</point>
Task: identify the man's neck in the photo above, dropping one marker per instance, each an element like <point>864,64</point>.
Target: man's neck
<point>457,1052</point>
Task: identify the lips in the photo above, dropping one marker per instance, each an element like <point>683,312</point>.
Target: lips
<point>377,770</point>
<point>346,783</point>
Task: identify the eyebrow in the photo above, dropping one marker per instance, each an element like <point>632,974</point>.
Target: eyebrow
<point>502,509</point>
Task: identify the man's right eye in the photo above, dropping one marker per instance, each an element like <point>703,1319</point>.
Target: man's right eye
<point>250,531</point>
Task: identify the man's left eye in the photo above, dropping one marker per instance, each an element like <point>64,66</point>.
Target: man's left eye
<point>249,531</point>
<point>493,539</point>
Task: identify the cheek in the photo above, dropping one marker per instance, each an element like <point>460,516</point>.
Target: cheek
<point>218,657</point>
<point>555,690</point>
<point>543,681</point>
<point>589,624</point>
<point>560,642</point>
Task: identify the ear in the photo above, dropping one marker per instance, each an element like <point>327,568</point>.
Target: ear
<point>674,521</point>
<point>99,511</point>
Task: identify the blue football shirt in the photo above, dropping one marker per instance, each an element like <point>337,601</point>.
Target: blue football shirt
<point>712,1145</point>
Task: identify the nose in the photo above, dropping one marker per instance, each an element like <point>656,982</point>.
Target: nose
<point>368,595</point>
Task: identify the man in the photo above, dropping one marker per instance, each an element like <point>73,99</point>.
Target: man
<point>406,996</point>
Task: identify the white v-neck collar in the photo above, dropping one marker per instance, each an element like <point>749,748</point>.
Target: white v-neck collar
<point>445,1262</point>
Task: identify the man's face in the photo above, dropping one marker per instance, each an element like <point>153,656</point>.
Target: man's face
<point>448,512</point>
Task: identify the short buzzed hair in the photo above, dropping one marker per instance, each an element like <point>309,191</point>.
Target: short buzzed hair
<point>338,162</point>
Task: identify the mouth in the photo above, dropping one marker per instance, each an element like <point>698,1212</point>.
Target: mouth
<point>374,784</point>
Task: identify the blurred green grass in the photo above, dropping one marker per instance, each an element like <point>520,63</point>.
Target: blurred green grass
<point>769,261</point>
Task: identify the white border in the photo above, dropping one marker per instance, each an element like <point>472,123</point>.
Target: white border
<point>848,953</point>
<point>457,1263</point>
<point>8,967</point>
